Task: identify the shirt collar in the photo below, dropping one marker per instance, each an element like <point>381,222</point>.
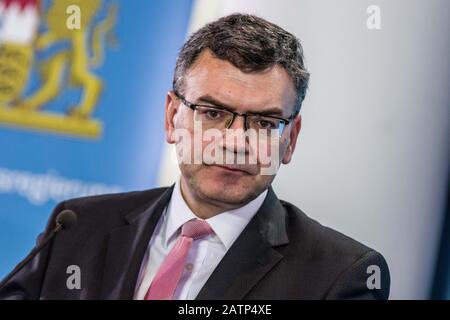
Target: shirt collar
<point>177,214</point>
<point>227,225</point>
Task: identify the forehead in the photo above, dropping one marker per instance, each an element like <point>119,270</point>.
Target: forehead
<point>245,91</point>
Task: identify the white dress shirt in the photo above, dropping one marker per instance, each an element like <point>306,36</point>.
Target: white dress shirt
<point>204,254</point>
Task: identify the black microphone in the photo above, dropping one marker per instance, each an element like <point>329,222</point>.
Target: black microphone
<point>64,220</point>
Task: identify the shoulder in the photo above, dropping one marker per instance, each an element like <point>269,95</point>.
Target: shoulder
<point>108,208</point>
<point>116,200</point>
<point>341,260</point>
<point>324,240</point>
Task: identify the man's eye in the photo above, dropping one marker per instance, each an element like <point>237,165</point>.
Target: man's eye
<point>266,124</point>
<point>213,114</point>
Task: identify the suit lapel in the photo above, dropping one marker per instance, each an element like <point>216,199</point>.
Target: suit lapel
<point>126,248</point>
<point>251,256</point>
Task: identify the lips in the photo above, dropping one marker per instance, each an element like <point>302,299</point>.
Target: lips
<point>236,168</point>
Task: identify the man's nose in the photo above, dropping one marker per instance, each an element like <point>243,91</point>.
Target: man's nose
<point>235,139</point>
<point>238,122</point>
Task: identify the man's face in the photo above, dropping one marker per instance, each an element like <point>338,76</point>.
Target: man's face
<point>215,82</point>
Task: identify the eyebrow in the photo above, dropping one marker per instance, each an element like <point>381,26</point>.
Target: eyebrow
<point>211,100</point>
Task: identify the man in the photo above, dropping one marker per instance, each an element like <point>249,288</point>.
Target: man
<point>220,232</point>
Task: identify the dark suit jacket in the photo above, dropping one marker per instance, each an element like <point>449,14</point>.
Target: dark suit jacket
<point>281,254</point>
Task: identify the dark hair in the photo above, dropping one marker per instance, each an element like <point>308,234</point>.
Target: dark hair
<point>251,44</point>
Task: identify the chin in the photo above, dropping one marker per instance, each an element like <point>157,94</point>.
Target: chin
<point>231,196</point>
<point>227,191</point>
<point>212,184</point>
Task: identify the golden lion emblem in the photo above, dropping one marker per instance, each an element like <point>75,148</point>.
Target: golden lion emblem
<point>17,49</point>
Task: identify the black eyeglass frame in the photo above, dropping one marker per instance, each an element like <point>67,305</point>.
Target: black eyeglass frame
<point>194,106</point>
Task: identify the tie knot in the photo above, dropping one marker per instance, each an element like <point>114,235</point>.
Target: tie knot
<point>196,229</point>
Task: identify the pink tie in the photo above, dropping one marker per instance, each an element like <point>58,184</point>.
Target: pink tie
<point>166,280</point>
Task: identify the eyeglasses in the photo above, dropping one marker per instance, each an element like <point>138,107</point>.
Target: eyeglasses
<point>221,118</point>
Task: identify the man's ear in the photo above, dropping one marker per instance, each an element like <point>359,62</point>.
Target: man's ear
<point>295,131</point>
<point>171,107</point>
